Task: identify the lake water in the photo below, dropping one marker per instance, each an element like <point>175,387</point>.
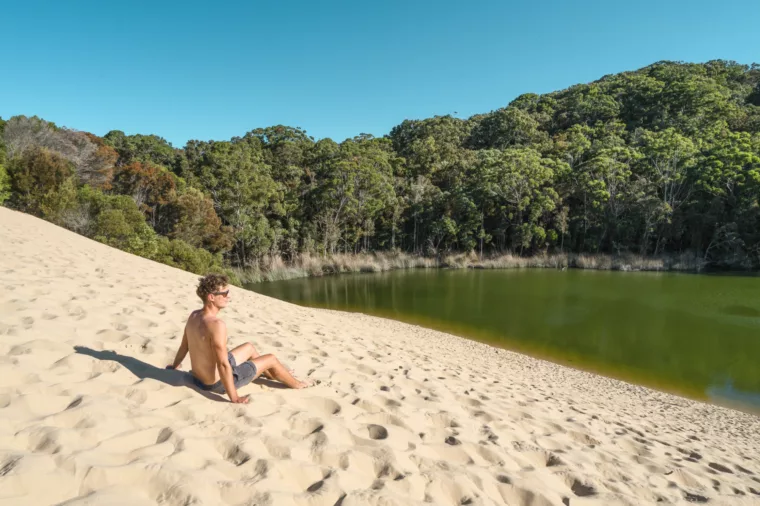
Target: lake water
<point>697,335</point>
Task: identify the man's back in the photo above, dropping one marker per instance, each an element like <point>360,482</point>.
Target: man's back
<point>200,345</point>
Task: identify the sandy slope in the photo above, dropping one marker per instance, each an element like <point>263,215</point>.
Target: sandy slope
<point>402,415</point>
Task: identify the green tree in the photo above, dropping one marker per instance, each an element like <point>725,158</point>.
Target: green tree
<point>36,175</point>
<point>242,189</point>
<point>141,148</point>
<point>668,157</point>
<point>285,150</point>
<point>516,187</point>
<point>197,224</point>
<point>506,128</point>
<point>5,185</point>
<point>352,186</point>
<point>151,186</point>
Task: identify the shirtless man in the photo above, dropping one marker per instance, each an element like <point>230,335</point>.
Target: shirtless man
<point>213,368</point>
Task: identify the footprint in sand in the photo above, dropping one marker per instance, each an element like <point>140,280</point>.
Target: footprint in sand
<point>233,453</point>
<point>9,465</point>
<point>720,467</point>
<point>137,396</point>
<point>112,336</point>
<point>366,369</point>
<point>301,427</point>
<point>319,405</point>
<point>584,439</point>
<point>377,432</point>
<point>78,313</point>
<point>742,469</point>
<point>381,419</point>
<point>523,497</point>
<point>76,402</point>
<point>164,435</point>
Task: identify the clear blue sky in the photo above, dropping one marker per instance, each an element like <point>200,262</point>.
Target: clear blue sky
<point>205,70</point>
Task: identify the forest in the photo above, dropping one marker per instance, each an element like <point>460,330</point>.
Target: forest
<point>664,160</point>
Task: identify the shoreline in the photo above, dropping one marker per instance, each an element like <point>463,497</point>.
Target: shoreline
<point>575,362</point>
<point>308,266</point>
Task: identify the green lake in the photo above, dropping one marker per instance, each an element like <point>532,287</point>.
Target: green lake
<point>697,335</point>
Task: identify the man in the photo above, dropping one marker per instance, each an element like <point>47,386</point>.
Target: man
<point>213,368</point>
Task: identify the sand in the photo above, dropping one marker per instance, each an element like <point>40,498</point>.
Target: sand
<point>401,415</point>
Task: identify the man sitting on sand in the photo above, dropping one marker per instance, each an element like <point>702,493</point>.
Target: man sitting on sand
<point>213,368</point>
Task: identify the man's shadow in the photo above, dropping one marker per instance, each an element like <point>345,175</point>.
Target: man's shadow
<point>143,370</point>
<point>171,377</point>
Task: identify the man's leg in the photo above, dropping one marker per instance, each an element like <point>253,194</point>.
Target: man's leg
<point>270,364</point>
<point>247,352</point>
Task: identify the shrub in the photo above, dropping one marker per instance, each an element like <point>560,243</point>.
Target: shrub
<point>118,228</point>
<point>196,222</point>
<point>57,203</point>
<point>35,178</point>
<point>182,255</point>
<point>118,222</point>
<point>5,185</point>
<point>178,253</point>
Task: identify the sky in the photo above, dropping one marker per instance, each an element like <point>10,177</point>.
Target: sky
<point>202,70</point>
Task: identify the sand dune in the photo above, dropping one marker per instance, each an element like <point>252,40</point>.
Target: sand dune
<point>401,415</point>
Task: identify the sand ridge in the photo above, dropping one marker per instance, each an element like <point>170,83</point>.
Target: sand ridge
<point>402,415</point>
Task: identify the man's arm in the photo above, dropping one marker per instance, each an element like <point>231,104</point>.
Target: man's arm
<point>181,352</point>
<point>219,346</point>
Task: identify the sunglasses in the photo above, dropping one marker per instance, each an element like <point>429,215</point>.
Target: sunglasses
<point>221,293</point>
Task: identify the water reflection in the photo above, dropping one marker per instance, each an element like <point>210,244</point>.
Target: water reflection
<point>728,395</point>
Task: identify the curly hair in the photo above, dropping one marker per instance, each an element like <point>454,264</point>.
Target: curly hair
<point>210,283</point>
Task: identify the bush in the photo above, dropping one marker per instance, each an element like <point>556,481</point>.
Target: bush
<point>117,221</point>
<point>36,177</point>
<point>118,228</point>
<point>196,222</point>
<point>5,185</point>
<point>59,202</point>
<point>178,253</point>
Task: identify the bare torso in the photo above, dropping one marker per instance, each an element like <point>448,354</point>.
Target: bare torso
<point>199,344</point>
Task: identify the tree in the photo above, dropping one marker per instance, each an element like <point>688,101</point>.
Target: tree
<point>197,224</point>
<point>506,128</point>
<point>92,160</point>
<point>729,179</point>
<point>242,189</point>
<point>515,185</point>
<point>667,159</point>
<point>141,148</point>
<point>663,159</point>
<point>352,186</point>
<point>285,150</point>
<point>36,175</point>
<point>430,146</point>
<point>5,185</point>
<point>151,186</point>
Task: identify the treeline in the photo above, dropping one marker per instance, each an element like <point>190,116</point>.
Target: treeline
<point>663,160</point>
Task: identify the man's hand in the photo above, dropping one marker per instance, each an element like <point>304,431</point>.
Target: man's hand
<point>241,400</point>
<point>181,352</point>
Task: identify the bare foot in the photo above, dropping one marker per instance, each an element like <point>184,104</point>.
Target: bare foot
<point>305,384</point>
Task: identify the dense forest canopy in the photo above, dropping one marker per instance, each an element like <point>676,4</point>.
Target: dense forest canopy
<point>662,160</point>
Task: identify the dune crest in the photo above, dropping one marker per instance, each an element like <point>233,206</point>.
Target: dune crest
<point>401,415</point>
